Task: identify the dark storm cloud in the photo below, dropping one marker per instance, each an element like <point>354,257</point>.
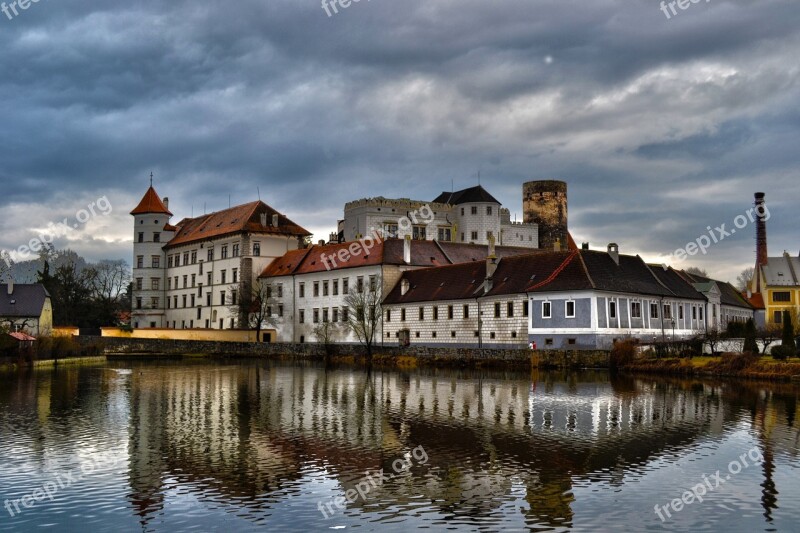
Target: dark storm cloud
<point>661,127</point>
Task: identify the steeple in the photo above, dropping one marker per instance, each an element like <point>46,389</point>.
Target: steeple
<point>151,203</point>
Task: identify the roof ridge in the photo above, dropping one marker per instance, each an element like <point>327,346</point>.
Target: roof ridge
<point>439,246</point>
<point>555,273</point>
<point>650,270</point>
<point>791,267</point>
<point>586,270</point>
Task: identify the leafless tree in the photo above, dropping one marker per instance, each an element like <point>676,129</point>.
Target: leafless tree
<point>768,334</point>
<point>697,271</point>
<point>254,304</point>
<point>325,332</point>
<point>364,317</point>
<point>743,279</point>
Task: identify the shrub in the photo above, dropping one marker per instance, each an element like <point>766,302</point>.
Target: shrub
<point>738,361</point>
<point>750,344</point>
<point>623,353</point>
<point>782,353</point>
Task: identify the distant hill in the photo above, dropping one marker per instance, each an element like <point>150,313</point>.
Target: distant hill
<point>26,271</point>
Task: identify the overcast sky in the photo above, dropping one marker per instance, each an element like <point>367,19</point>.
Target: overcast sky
<point>661,127</point>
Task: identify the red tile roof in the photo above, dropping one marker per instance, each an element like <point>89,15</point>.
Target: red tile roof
<point>151,203</point>
<point>22,337</point>
<point>239,219</point>
<point>756,300</point>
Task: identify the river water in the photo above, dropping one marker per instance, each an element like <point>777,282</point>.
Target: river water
<point>244,446</point>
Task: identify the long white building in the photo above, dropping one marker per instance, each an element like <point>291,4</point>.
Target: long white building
<point>188,275</point>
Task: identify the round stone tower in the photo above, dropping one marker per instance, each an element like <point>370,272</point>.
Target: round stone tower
<point>545,203</point>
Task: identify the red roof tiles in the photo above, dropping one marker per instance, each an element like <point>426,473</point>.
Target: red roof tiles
<point>151,203</point>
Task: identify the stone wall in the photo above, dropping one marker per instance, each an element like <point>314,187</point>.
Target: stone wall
<point>422,354</point>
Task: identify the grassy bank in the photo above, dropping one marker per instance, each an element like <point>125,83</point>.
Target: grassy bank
<point>741,366</point>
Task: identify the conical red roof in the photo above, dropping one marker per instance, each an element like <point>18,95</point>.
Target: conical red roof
<point>151,203</point>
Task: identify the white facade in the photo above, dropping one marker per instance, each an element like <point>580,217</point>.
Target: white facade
<point>149,272</point>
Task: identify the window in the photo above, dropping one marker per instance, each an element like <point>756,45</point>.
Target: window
<point>462,211</point>
<point>336,287</point>
<point>194,280</point>
<point>325,315</point>
<point>325,288</point>
<point>548,342</point>
<point>474,236</point>
<point>474,210</point>
<point>450,312</point>
<point>257,249</point>
<point>360,284</point>
<point>388,315</point>
<point>346,286</point>
<point>489,210</point>
<point>345,314</point>
<point>211,254</point>
<point>316,289</point>
<point>782,296</point>
<point>636,309</point>
<point>569,309</point>
<point>269,291</point>
<point>156,237</point>
<point>667,311</point>
<point>680,312</point>
<point>154,303</point>
<point>186,258</point>
<point>653,310</point>
<point>175,302</point>
<point>492,335</point>
<point>201,267</point>
<point>335,317</point>
<point>280,290</point>
<point>453,334</point>
<point>302,290</point>
<point>210,278</point>
<point>235,272</point>
<point>138,303</point>
<point>236,250</point>
<point>497,309</point>
<point>224,252</point>
<point>525,308</point>
<point>186,280</point>
<point>433,334</point>
<point>572,341</point>
<point>156,261</point>
<point>612,309</point>
<point>315,317</point>
<point>222,298</point>
<point>510,309</point>
<point>139,282</point>
<point>777,317</point>
<point>422,313</point>
<point>418,233</point>
<point>193,298</point>
<point>208,299</point>
<point>169,261</point>
<point>223,274</point>
<point>390,231</point>
<point>302,316</point>
<point>435,312</point>
<point>168,301</point>
<point>445,234</point>
<point>184,300</point>
<point>466,311</point>
<point>373,283</point>
<point>140,261</point>
<point>694,313</point>
<point>700,310</point>
<point>177,260</point>
<point>234,294</point>
<point>141,237</point>
<point>154,282</point>
<point>194,257</point>
<point>547,309</point>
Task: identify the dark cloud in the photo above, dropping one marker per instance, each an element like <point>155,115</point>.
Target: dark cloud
<point>661,127</point>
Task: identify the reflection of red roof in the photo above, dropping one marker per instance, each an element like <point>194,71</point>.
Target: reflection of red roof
<point>255,217</point>
<point>151,203</point>
<point>22,336</point>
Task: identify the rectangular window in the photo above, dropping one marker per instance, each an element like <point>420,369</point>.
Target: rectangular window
<point>257,249</point>
<point>373,283</point>
<point>186,258</point>
<point>569,310</point>
<point>474,210</point>
<point>466,311</point>
<point>210,278</point>
<point>169,261</point>
<point>141,237</point>
<point>325,288</point>
<point>336,287</point>
<point>223,274</point>
<point>612,309</point>
<point>316,289</point>
<point>156,237</point>
<point>497,309</point>
<point>390,231</point>
<point>700,309</point>
<point>667,311</point>
<point>435,312</point>
<point>680,312</point>
<point>235,272</point>
<point>388,315</point>
<point>474,235</point>
<point>154,303</point>
<point>489,210</point>
<point>653,310</point>
<point>194,297</point>
<point>422,313</point>
<point>222,298</point>
<point>360,284</point>
<point>636,309</point>
<point>194,257</point>
<point>302,290</point>
<point>280,290</point>
<point>235,250</point>
<point>224,252</point>
<point>177,260</point>
<point>201,267</point>
<point>154,284</point>
<point>302,316</point>
<point>138,303</point>
<point>185,281</point>
<point>450,312</point>
<point>694,313</point>
<point>139,283</point>
<point>777,317</point>
<point>194,280</point>
<point>211,254</point>
<point>547,309</point>
<point>782,296</point>
<point>525,308</point>
<point>156,261</point>
<point>445,234</point>
<point>335,317</point>
<point>325,315</point>
<point>418,233</point>
<point>184,300</point>
<point>510,309</point>
<point>346,286</point>
<point>234,295</point>
<point>315,316</point>
<point>345,314</point>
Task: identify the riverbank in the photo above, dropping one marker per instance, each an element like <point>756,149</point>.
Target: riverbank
<point>739,366</point>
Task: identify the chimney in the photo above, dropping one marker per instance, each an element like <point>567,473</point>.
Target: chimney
<point>407,250</point>
<point>404,286</point>
<point>491,266</point>
<point>166,202</point>
<point>613,251</point>
<point>10,286</point>
<point>274,221</point>
<point>321,242</point>
<point>585,246</point>
<point>761,237</point>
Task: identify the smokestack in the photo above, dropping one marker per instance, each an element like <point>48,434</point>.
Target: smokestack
<point>761,237</point>
<point>613,251</point>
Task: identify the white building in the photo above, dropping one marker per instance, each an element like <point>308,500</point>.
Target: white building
<point>188,275</point>
<point>467,216</point>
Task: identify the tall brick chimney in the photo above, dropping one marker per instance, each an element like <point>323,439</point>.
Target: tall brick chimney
<point>761,237</point>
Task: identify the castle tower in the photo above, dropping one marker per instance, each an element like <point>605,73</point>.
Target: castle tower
<point>545,203</point>
<point>151,231</point>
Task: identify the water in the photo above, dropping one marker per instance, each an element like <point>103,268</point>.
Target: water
<point>271,446</point>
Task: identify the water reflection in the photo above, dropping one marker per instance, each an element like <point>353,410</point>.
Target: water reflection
<point>262,444</point>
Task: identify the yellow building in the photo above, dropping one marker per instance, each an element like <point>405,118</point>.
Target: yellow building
<point>780,287</point>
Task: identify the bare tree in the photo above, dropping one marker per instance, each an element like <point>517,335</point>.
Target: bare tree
<point>768,334</point>
<point>697,271</point>
<point>712,337</point>
<point>325,331</point>
<point>743,279</point>
<point>364,317</point>
<point>254,304</point>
